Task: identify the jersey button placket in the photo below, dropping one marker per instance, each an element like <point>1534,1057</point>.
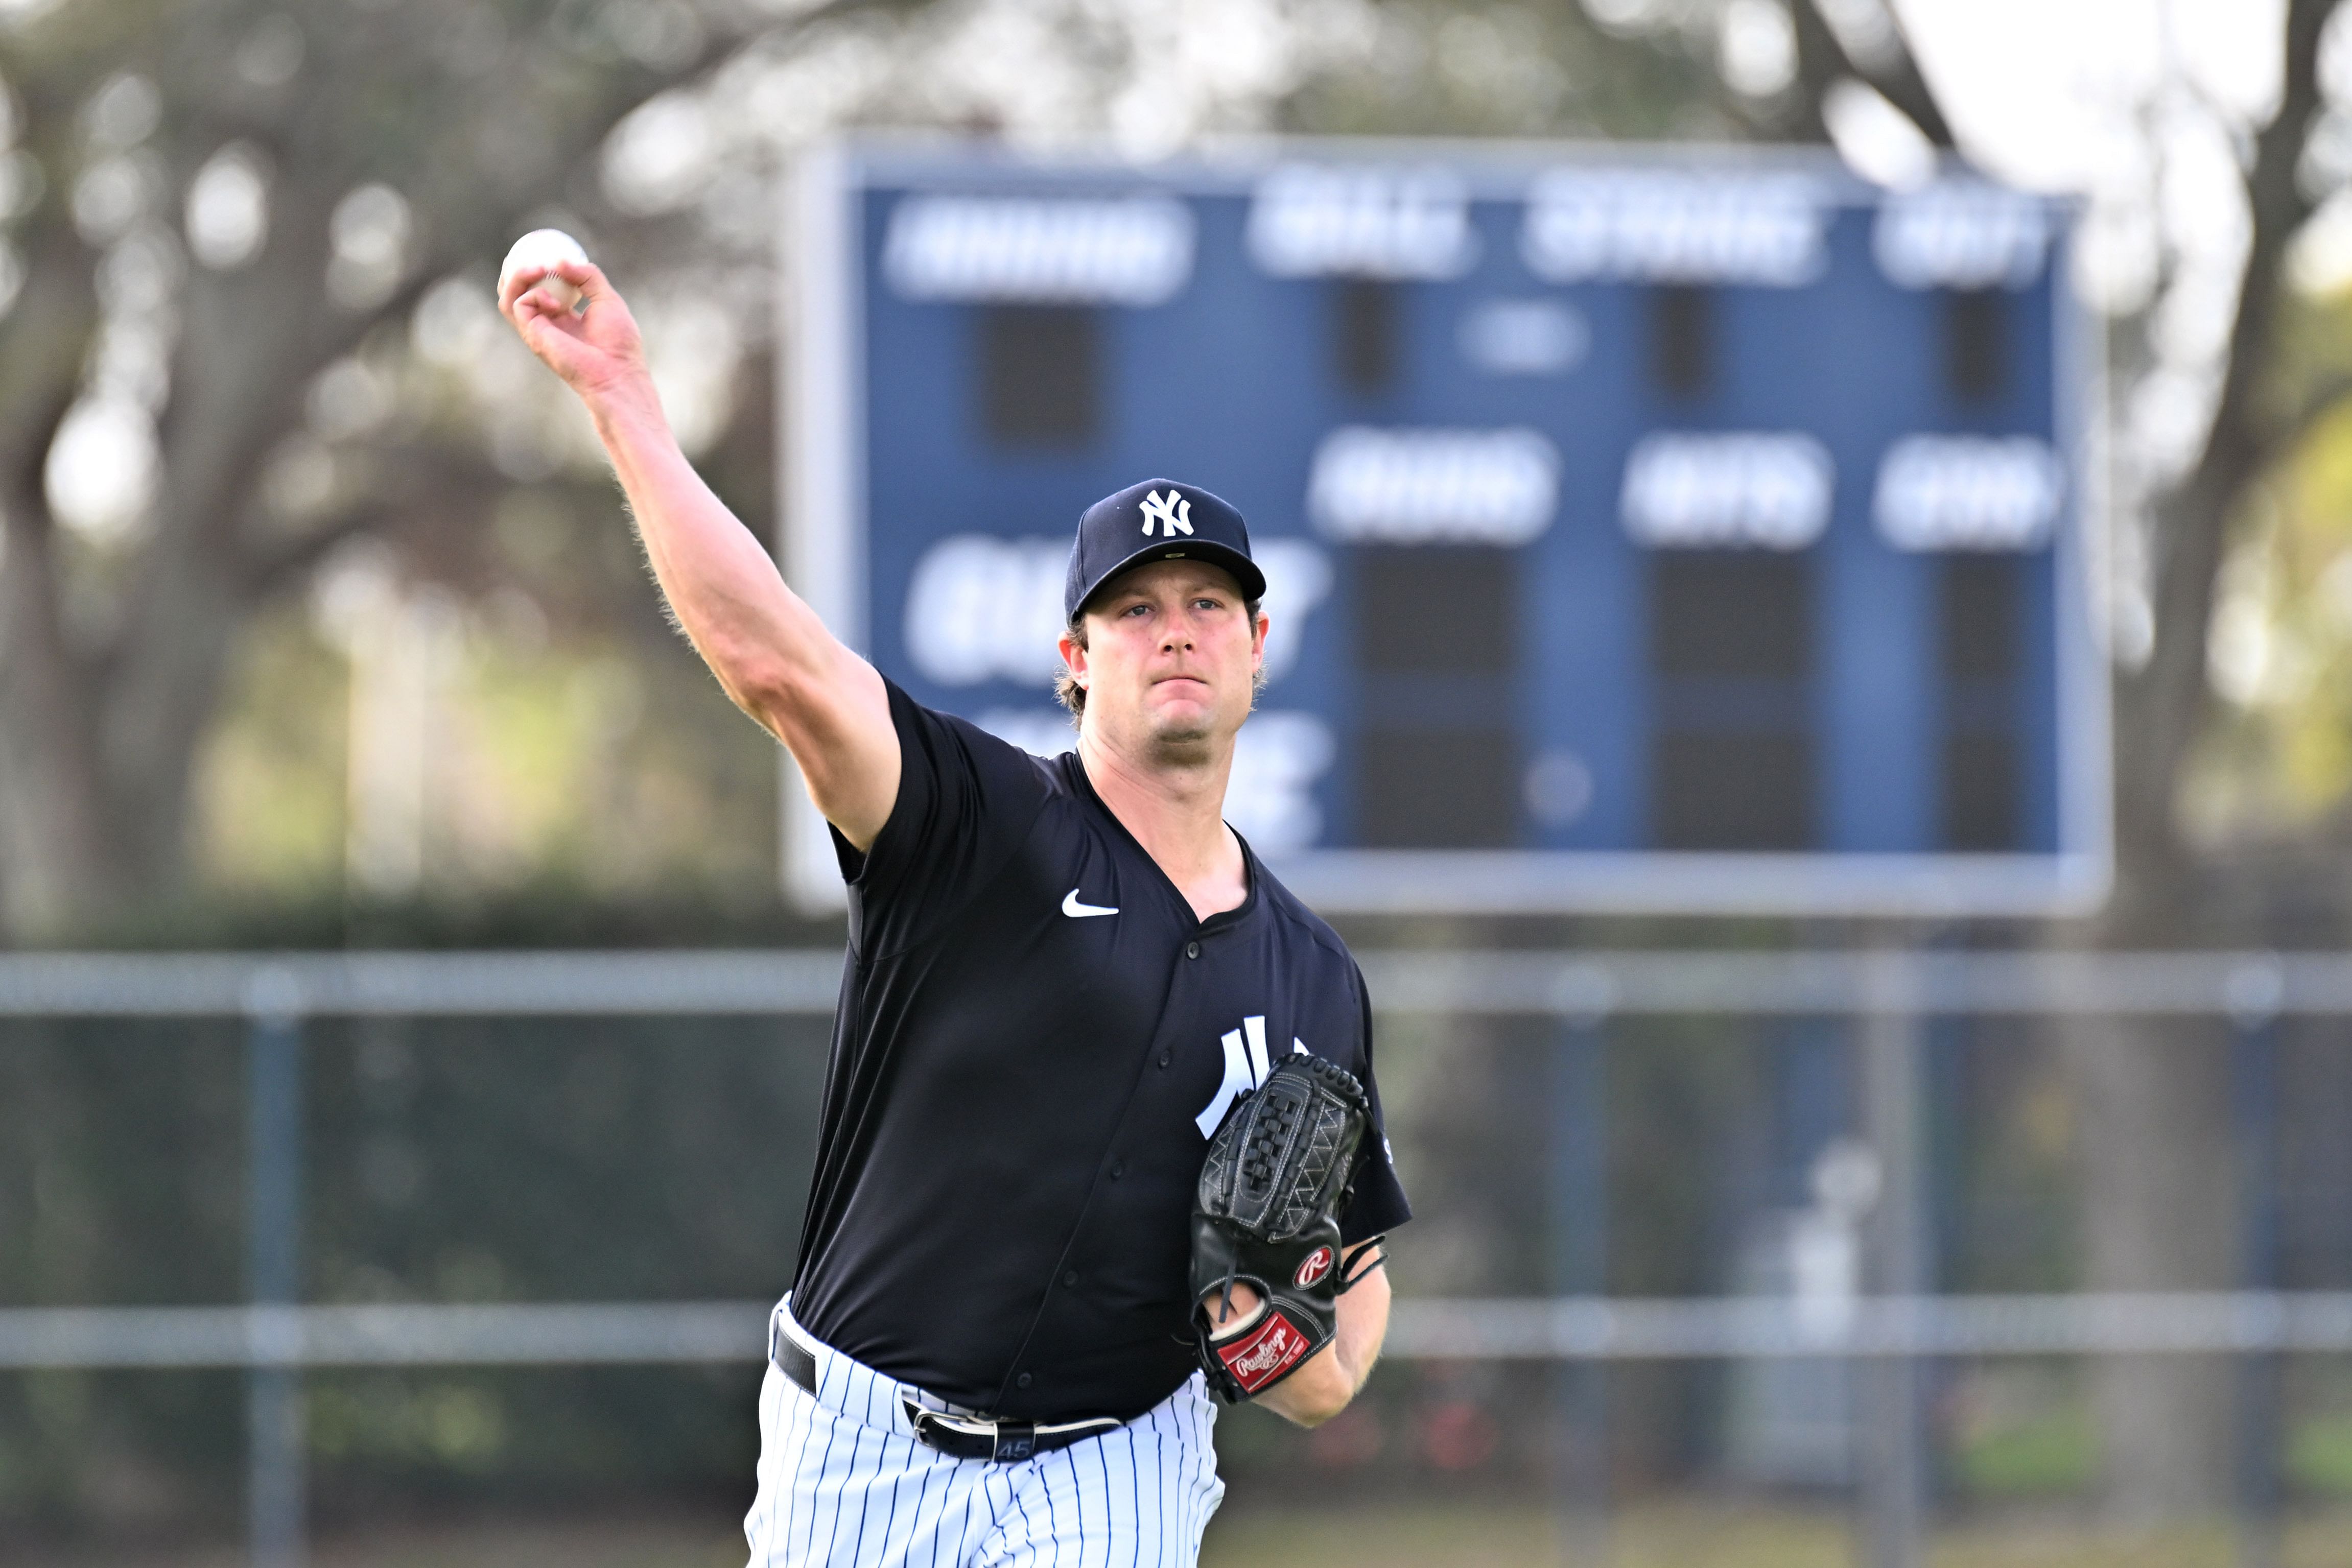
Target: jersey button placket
<point>1192,949</point>
<point>1022,1382</point>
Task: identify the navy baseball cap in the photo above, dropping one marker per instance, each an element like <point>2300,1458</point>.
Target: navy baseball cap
<point>1158,520</point>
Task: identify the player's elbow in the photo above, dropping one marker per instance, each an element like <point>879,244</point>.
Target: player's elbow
<point>790,697</point>
<point>766,688</point>
<point>1313,1414</point>
<point>755,676</point>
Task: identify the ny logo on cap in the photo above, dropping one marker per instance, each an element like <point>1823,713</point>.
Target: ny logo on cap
<point>1173,513</point>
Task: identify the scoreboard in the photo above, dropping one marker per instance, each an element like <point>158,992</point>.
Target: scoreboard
<point>1689,531</point>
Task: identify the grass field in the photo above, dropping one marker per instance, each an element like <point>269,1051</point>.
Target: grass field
<point>1657,1536</point>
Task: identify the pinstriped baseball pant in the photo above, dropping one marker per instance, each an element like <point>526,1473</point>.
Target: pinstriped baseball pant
<point>845,1483</point>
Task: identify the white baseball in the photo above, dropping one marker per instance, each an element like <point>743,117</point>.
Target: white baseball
<point>538,251</point>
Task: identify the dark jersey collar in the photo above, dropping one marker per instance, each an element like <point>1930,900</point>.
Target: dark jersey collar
<point>1074,774</point>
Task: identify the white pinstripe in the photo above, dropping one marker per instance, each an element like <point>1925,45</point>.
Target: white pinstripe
<point>845,1483</point>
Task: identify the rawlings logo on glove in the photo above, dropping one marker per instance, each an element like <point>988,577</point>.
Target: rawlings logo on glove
<point>1259,1358</point>
<point>1266,1216</point>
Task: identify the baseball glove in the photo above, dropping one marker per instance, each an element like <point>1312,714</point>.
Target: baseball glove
<point>1266,1213</point>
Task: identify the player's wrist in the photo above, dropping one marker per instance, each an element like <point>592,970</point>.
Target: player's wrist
<point>623,405</point>
<point>631,426</point>
<point>1322,1386</point>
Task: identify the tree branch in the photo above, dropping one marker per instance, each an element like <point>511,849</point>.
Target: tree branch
<point>1824,60</point>
<point>2163,707</point>
<point>1822,57</point>
<point>1821,61</point>
<point>446,480</point>
<point>1896,73</point>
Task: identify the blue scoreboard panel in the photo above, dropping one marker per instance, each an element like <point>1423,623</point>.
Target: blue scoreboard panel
<point>1701,531</point>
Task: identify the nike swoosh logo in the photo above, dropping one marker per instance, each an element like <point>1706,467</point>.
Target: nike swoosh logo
<point>1077,911</point>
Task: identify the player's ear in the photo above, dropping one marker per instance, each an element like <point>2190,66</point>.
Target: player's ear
<point>1074,654</point>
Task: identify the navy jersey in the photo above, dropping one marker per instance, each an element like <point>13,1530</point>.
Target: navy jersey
<point>1036,1037</point>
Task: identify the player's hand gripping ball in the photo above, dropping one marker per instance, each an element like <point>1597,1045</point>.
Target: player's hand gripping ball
<point>534,257</point>
<point>1266,1214</point>
<point>569,315</point>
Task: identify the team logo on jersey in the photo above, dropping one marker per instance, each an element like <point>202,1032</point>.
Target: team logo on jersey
<point>1318,1264</point>
<point>1245,1068</point>
<point>1172,512</point>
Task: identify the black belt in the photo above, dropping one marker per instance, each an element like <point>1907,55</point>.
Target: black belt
<point>960,1437</point>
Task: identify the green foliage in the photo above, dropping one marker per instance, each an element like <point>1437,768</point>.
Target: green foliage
<point>2276,765</point>
<point>2046,1453</point>
<point>2007,1138</point>
<point>2319,1455</point>
<point>1502,67</point>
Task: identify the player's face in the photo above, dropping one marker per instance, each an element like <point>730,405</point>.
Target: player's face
<point>1171,656</point>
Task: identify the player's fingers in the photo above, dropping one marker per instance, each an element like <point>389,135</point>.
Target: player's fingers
<point>517,284</point>
<point>533,309</point>
<point>523,281</point>
<point>604,316</point>
<point>552,333</point>
<point>602,308</point>
<point>581,343</point>
<point>587,278</point>
<point>1224,1312</point>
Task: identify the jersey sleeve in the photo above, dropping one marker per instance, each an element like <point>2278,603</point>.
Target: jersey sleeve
<point>966,799</point>
<point>1376,1203</point>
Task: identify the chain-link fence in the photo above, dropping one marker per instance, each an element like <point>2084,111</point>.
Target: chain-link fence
<point>338,1235</point>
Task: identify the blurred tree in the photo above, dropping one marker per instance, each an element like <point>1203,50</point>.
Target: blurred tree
<point>2205,428</point>
<point>210,209</point>
<point>2162,1197</point>
<point>2163,1193</point>
<point>244,268</point>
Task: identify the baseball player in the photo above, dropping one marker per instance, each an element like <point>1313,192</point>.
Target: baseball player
<point>1075,1003</point>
